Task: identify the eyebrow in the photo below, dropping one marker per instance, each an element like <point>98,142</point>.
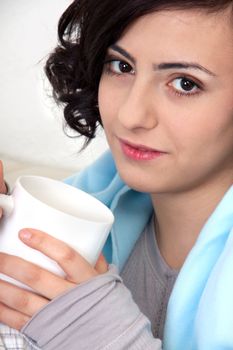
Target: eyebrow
<point>182,65</point>
<point>163,65</point>
<point>123,52</point>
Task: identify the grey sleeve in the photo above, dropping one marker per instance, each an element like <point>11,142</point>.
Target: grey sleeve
<point>98,314</point>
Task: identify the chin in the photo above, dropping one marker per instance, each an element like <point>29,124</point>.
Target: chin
<point>141,183</point>
<point>144,177</point>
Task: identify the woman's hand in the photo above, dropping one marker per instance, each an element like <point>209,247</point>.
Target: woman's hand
<point>18,305</point>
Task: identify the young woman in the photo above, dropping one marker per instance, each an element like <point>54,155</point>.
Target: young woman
<point>158,76</point>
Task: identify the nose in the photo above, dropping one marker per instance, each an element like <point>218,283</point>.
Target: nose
<point>137,109</point>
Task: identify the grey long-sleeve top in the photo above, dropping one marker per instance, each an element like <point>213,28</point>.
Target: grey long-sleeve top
<point>97,314</point>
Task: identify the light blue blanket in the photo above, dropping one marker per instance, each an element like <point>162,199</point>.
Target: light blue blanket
<point>200,310</point>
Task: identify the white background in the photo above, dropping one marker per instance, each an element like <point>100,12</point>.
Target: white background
<point>30,123</point>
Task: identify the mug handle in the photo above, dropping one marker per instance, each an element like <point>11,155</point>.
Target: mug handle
<point>7,204</point>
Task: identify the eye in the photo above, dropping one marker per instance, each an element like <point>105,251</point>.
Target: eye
<point>118,67</point>
<point>184,86</point>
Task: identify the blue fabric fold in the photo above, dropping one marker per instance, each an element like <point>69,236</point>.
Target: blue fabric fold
<point>200,309</point>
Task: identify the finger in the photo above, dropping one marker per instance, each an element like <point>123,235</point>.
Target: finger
<point>12,318</point>
<point>20,300</point>
<point>76,268</point>
<point>45,283</point>
<point>101,265</point>
<point>0,213</point>
<point>2,183</point>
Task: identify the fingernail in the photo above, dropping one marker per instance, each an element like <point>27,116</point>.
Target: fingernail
<point>25,235</point>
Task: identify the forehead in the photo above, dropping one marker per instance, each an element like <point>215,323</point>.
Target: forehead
<point>181,33</point>
<point>192,17</point>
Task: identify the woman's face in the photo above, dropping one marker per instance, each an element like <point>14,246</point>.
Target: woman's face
<point>166,101</point>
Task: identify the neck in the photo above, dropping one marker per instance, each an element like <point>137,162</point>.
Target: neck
<point>180,218</point>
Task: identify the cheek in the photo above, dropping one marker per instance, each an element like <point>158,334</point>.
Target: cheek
<point>109,101</point>
<point>217,128</point>
<point>208,140</point>
<point>208,122</point>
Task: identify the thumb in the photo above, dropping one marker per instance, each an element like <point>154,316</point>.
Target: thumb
<point>2,183</point>
<point>101,265</point>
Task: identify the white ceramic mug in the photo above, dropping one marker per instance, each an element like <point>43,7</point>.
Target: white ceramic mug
<point>58,209</point>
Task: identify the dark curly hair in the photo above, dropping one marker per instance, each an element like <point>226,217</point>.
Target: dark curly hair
<point>85,31</point>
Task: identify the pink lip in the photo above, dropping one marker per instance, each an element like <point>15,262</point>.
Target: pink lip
<point>139,152</point>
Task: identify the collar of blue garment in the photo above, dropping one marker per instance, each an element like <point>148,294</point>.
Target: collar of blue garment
<point>131,209</point>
